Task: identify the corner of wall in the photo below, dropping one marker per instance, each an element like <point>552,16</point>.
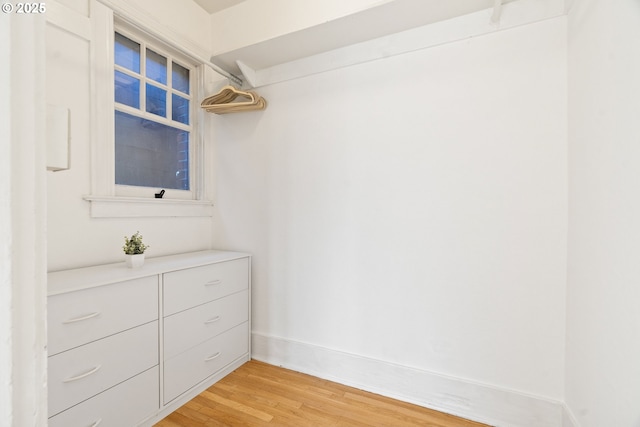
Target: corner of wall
<point>568,420</point>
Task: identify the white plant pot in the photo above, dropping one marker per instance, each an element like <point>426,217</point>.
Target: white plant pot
<point>134,261</point>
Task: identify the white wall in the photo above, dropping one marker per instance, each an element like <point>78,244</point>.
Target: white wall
<point>603,319</point>
<point>412,210</point>
<point>74,238</point>
<point>23,354</point>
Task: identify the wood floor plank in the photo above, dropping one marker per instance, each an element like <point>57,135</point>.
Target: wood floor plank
<point>193,413</point>
<point>262,395</point>
<point>254,386</point>
<point>236,406</point>
<point>230,417</point>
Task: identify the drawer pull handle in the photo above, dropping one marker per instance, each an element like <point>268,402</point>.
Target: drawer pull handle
<point>215,356</point>
<point>213,282</point>
<point>81,318</point>
<point>213,319</point>
<point>81,376</point>
<point>97,423</point>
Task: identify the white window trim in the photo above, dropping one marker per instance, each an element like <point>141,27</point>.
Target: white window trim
<point>104,198</point>
<point>130,207</point>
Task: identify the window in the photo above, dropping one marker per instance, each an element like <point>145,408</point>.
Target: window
<point>146,132</point>
<point>153,119</point>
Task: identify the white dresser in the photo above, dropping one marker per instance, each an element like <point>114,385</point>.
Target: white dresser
<point>129,346</point>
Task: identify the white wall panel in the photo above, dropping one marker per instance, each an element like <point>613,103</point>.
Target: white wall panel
<point>412,209</point>
<point>603,320</point>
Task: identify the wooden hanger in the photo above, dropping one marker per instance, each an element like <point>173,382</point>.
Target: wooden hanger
<point>223,102</point>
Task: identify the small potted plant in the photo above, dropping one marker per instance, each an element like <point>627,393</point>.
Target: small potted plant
<point>134,250</point>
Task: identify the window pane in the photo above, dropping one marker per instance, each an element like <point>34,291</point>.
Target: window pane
<point>180,78</point>
<point>156,100</point>
<point>127,53</point>
<point>180,109</point>
<point>127,90</point>
<point>156,67</point>
<point>150,154</point>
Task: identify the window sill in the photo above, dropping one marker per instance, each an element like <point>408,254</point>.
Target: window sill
<point>134,207</point>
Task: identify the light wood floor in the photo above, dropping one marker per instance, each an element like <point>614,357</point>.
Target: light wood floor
<point>262,395</point>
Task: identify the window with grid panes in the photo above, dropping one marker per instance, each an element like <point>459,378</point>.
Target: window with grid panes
<point>153,116</point>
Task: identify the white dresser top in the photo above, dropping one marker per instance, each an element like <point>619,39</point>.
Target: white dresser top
<point>88,277</point>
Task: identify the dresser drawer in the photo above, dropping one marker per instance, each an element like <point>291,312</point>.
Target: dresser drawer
<point>193,366</point>
<point>85,371</point>
<point>79,317</point>
<point>194,286</point>
<point>204,322</point>
<point>127,404</point>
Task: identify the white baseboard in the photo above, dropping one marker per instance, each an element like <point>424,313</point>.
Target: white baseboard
<point>478,402</point>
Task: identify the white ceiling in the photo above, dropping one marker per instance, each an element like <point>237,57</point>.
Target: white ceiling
<point>213,6</point>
